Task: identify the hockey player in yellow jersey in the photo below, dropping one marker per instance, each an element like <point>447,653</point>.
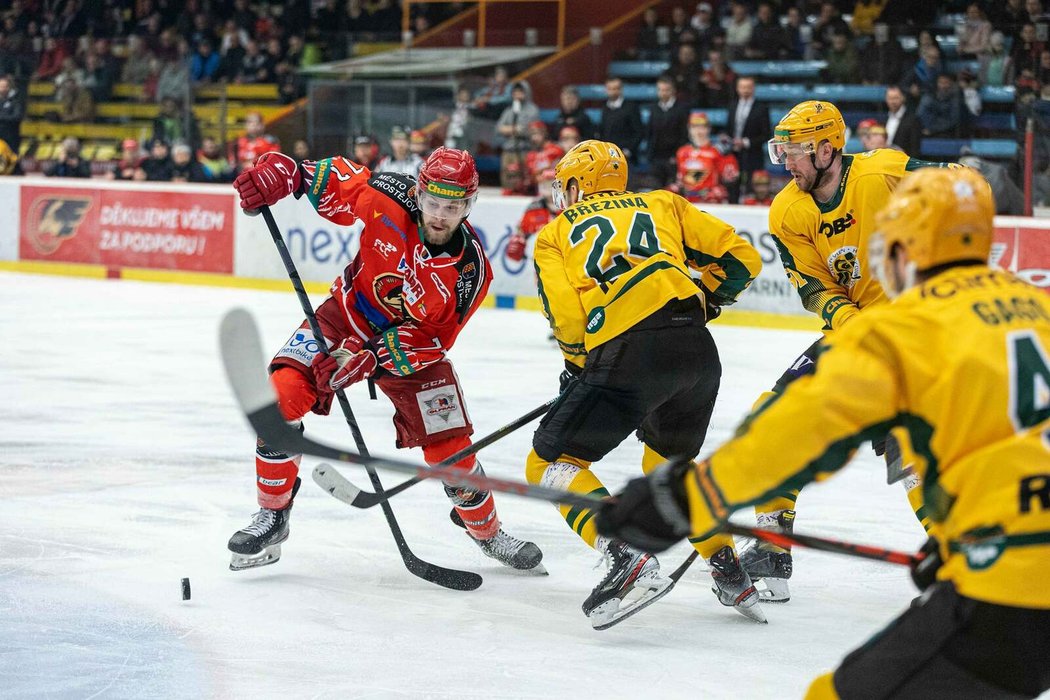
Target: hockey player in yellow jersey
<point>820,222</point>
<point>958,365</point>
<point>614,280</point>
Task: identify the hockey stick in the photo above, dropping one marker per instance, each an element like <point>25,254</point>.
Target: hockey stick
<point>367,499</point>
<point>824,544</point>
<point>449,578</point>
<point>243,358</point>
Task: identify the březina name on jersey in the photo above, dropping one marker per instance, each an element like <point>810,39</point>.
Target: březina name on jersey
<point>823,246</point>
<point>610,261</point>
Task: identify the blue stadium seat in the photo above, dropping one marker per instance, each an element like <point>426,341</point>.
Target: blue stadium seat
<point>1004,93</point>
<point>788,93</point>
<point>637,69</point>
<point>651,70</point>
<point>986,148</point>
<point>780,69</point>
<point>956,66</point>
<point>591,92</point>
<point>849,93</point>
<point>996,121</point>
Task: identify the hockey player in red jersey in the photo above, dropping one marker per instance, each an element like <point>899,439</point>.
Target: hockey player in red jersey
<point>537,215</point>
<point>703,171</point>
<point>254,143</point>
<point>760,189</point>
<point>543,154</point>
<point>419,275</point>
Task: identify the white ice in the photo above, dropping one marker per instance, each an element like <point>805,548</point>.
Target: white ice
<point>126,466</point>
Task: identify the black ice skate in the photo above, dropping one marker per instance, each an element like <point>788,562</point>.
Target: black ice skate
<point>510,551</point>
<point>768,563</point>
<point>733,586</point>
<point>633,582</point>
<point>259,544</point>
<point>507,549</point>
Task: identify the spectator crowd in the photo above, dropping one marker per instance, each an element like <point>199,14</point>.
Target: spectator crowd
<point>931,89</point>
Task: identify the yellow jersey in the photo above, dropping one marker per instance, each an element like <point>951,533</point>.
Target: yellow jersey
<point>823,246</point>
<point>608,262</point>
<point>959,367</point>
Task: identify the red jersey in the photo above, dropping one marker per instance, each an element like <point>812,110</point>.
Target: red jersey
<point>411,297</point>
<point>249,149</point>
<point>543,159</point>
<point>537,215</point>
<point>702,170</point>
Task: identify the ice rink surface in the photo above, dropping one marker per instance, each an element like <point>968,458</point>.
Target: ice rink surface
<point>125,466</point>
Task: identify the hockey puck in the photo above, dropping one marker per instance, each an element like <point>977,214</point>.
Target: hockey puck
<point>185,589</point>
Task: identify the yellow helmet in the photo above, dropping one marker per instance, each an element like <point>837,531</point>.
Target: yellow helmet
<point>938,216</point>
<point>597,166</point>
<point>807,124</point>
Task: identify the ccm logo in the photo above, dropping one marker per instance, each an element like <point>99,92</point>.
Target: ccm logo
<point>436,382</point>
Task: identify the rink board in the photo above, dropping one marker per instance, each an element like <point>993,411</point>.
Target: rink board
<point>196,234</point>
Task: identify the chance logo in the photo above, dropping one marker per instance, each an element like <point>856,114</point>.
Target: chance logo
<point>54,220</point>
<point>446,190</point>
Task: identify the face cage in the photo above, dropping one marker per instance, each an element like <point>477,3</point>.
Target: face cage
<point>780,151</point>
<point>441,208</point>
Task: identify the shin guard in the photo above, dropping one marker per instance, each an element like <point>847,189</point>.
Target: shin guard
<point>477,509</point>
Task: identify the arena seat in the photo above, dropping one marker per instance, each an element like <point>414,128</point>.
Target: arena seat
<point>985,148</point>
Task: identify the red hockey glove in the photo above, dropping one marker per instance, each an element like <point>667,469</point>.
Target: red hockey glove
<point>349,362</point>
<point>273,177</point>
<point>516,248</point>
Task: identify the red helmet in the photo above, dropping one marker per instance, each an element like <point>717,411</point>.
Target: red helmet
<point>447,177</point>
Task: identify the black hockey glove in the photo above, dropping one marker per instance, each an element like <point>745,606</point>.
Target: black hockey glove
<point>569,376</point>
<point>651,513</point>
<point>713,304</point>
<point>924,573</point>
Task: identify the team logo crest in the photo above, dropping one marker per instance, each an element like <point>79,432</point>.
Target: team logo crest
<point>387,288</point>
<point>441,406</point>
<point>844,264</point>
<point>54,220</point>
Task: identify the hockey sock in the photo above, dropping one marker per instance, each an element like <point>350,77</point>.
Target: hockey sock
<point>574,475</point>
<point>275,476</point>
<point>767,515</point>
<point>477,509</point>
<point>912,485</point>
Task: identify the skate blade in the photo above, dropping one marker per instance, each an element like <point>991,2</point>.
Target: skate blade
<point>538,570</point>
<point>746,605</point>
<point>611,613</point>
<point>774,591</point>
<point>270,555</point>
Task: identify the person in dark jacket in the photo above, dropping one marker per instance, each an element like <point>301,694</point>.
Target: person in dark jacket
<point>158,166</point>
<point>668,130</point>
<point>621,121</point>
<point>185,167</point>
<point>572,114</point>
<point>69,163</point>
<point>12,112</point>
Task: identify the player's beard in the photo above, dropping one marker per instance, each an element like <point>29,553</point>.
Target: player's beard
<point>805,182</point>
<point>439,236</point>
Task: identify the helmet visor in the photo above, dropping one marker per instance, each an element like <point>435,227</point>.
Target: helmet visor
<point>443,208</point>
<point>558,195</point>
<point>781,151</point>
<point>878,263</point>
